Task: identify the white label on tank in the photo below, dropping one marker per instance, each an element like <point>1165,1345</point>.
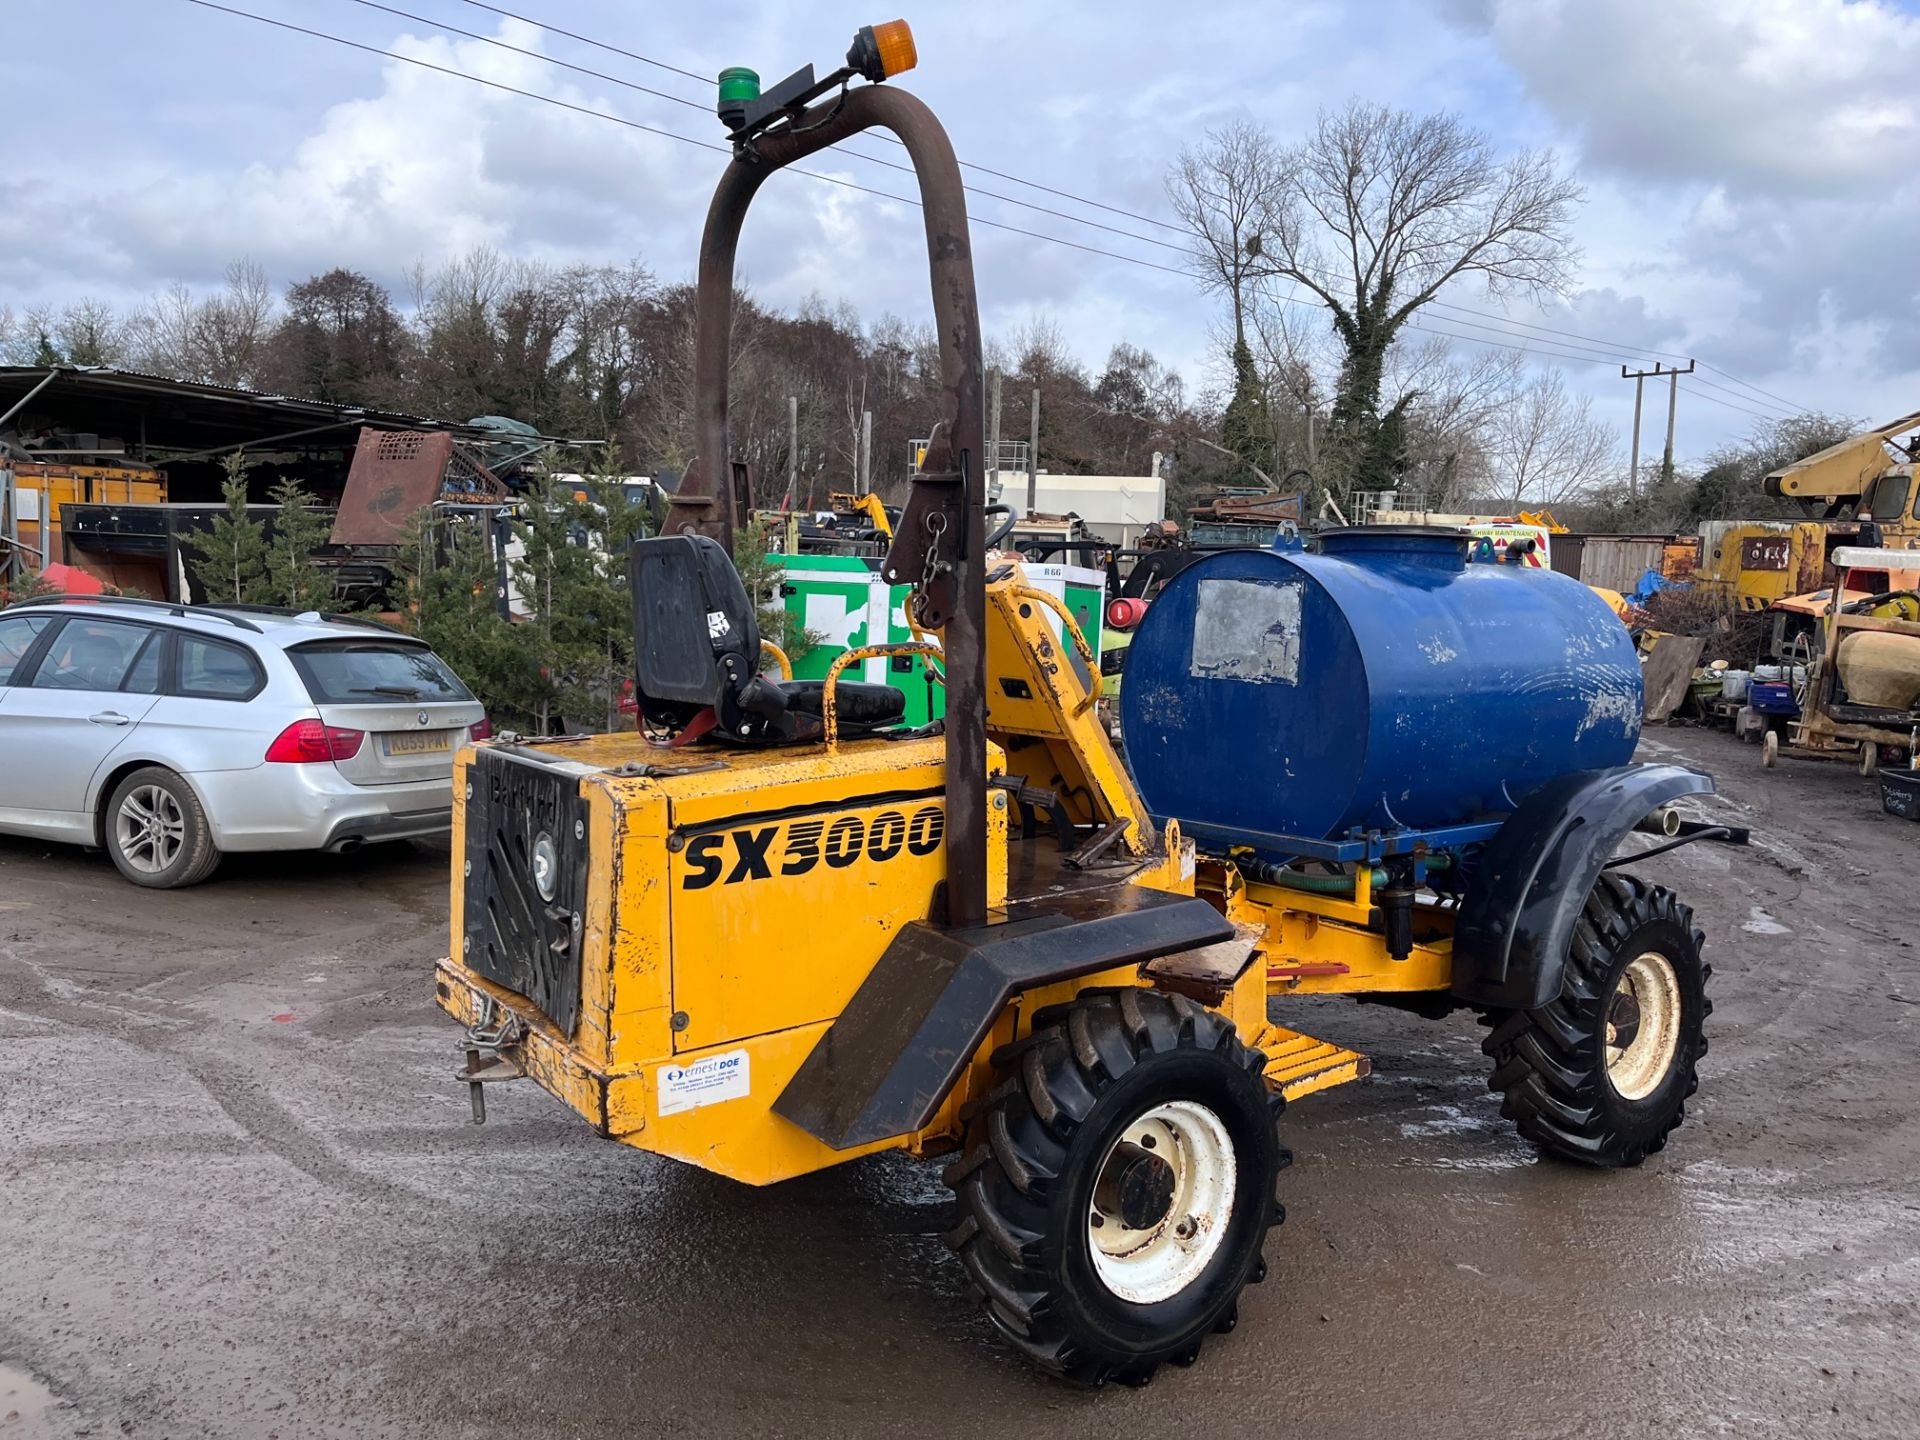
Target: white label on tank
<point>717,626</point>
<point>706,1081</point>
<point>1247,630</point>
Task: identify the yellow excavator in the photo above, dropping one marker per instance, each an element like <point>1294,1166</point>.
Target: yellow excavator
<point>1859,474</point>
<point>1859,492</point>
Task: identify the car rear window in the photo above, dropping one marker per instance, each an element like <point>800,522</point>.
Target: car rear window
<point>368,672</point>
<point>217,670</point>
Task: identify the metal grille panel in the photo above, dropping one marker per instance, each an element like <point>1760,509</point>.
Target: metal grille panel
<point>512,935</point>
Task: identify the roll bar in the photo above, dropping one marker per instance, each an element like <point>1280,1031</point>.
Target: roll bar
<point>938,546</point>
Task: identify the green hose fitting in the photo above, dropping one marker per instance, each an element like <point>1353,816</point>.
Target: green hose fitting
<point>1320,884</point>
<point>1333,884</point>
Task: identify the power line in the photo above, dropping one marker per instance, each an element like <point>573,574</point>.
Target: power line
<point>1600,357</point>
<point>1702,395</point>
<point>1532,349</point>
<point>656,130</point>
<point>1797,409</point>
<point>1482,315</point>
<point>708,80</point>
<point>530,54</point>
<point>596,44</point>
<point>1501,323</point>
<point>706,110</point>
<point>1536,347</point>
<point>1741,395</point>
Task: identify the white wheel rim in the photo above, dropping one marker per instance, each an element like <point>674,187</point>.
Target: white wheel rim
<point>1643,1026</point>
<point>1153,1262</point>
<point>149,829</point>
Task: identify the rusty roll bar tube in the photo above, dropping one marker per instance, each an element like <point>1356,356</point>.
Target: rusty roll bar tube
<point>706,501</point>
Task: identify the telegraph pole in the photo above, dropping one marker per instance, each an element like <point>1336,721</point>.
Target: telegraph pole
<point>1640,378</point>
<point>793,447</point>
<point>1673,401</point>
<point>993,436</point>
<point>1033,455</point>
<point>866,452</point>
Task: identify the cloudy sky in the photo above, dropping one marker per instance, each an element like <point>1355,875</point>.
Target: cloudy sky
<point>1753,196</point>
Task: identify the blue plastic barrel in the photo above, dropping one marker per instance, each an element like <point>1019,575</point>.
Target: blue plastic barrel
<point>1383,683</point>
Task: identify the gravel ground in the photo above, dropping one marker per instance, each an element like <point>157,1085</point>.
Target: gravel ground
<point>239,1196</point>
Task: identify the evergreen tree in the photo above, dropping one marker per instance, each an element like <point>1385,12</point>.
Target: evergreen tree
<point>231,566</point>
<point>449,593</point>
<point>761,573</point>
<point>575,530</point>
<point>299,529</point>
<point>1246,428</point>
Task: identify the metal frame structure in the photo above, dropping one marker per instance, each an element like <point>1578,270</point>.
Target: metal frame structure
<point>938,547</point>
<point>1820,731</point>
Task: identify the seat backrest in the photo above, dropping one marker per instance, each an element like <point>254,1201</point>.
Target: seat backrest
<point>695,639</point>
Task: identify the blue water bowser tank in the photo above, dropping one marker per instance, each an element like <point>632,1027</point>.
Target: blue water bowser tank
<point>1383,683</point>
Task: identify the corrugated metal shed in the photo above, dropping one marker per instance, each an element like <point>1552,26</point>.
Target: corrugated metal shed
<point>158,418</point>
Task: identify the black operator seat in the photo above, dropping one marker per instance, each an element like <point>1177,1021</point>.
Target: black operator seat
<point>696,645</point>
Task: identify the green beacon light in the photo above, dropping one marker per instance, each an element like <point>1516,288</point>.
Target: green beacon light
<point>738,87</point>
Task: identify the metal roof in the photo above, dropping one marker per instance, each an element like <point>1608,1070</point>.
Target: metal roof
<point>181,418</point>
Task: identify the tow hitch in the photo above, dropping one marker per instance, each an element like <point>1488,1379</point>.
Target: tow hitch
<point>492,1044</point>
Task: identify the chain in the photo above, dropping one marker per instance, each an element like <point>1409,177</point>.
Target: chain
<point>931,565</point>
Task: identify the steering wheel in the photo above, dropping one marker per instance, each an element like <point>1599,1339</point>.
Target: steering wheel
<point>1005,528</point>
<point>1802,665</point>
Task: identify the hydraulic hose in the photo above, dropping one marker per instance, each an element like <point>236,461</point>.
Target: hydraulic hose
<point>1272,874</point>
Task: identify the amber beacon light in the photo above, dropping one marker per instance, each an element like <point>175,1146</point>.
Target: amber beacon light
<point>882,51</point>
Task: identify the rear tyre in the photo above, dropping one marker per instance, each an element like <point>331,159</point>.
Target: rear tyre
<point>1118,1184</point>
<point>1602,1074</point>
<point>156,831</point>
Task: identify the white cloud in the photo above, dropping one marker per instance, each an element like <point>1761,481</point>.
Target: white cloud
<point>1813,96</point>
<point>1751,184</point>
<point>1747,160</point>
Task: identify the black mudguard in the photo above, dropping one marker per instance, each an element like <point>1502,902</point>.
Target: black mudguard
<point>883,1068</point>
<point>1531,881</point>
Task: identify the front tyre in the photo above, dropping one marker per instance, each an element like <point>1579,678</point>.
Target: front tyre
<point>1118,1184</point>
<point>1602,1074</point>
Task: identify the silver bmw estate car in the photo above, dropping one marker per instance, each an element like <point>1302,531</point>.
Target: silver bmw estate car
<point>169,735</point>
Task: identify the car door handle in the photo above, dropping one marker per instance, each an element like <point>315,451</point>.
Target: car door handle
<point>109,717</point>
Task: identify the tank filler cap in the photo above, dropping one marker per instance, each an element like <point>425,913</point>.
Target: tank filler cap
<point>1438,547</point>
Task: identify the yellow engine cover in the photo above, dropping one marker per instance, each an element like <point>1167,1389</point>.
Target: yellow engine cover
<point>733,902</point>
<point>788,874</point>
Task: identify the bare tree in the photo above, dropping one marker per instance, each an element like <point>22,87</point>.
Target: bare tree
<point>88,332</point>
<point>1448,403</point>
<point>1230,195</point>
<point>219,340</point>
<point>1374,214</point>
<point>1545,446</point>
<point>1292,352</point>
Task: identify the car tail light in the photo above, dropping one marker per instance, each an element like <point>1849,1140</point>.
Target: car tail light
<point>308,742</point>
<point>481,730</point>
